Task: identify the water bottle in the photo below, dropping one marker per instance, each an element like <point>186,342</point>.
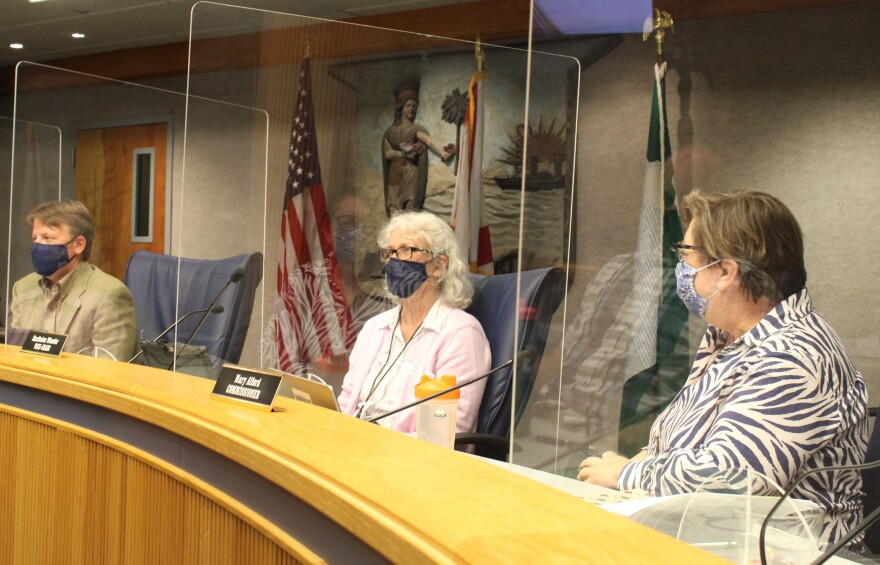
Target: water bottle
<point>435,422</point>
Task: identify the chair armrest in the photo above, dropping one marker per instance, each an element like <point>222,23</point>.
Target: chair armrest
<point>486,445</point>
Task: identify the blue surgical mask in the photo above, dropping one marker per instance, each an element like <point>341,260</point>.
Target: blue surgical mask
<point>684,276</point>
<point>404,277</point>
<point>49,257</point>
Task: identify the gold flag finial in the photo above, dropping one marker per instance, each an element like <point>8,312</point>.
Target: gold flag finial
<point>478,52</point>
<point>662,21</point>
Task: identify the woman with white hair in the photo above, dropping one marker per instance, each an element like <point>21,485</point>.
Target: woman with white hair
<point>427,333</point>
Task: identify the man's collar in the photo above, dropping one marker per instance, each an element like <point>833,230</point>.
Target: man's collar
<point>46,283</point>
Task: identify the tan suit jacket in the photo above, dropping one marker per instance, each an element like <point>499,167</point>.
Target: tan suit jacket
<point>96,310</point>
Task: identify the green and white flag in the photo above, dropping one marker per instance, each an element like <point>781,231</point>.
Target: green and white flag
<point>658,354</point>
<point>648,278</point>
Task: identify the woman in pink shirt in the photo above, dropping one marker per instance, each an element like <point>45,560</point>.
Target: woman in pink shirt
<point>427,333</point>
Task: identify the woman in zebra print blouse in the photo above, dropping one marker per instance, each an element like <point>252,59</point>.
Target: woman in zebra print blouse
<point>772,388</point>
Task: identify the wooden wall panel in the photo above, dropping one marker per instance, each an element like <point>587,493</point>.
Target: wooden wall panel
<point>71,499</point>
<point>7,484</point>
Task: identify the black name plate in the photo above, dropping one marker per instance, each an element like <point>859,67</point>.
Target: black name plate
<point>255,388</point>
<point>44,343</point>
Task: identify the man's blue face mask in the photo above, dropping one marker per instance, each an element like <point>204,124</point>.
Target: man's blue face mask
<point>49,257</point>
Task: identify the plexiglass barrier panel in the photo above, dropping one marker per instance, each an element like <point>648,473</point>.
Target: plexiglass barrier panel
<point>732,91</point>
<point>108,144</point>
<point>36,170</point>
<point>221,225</point>
<point>722,514</point>
<point>372,121</point>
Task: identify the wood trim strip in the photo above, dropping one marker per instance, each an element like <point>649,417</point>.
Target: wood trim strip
<point>495,20</point>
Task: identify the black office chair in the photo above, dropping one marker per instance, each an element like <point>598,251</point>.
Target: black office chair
<point>871,484</point>
<point>495,306</point>
<point>152,280</point>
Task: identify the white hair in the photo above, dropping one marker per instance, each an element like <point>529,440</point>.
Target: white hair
<point>456,288</point>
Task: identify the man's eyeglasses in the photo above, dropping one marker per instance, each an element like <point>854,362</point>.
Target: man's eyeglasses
<point>681,250</point>
<point>404,253</point>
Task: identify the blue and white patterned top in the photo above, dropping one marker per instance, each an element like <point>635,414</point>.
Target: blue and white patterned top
<point>782,399</point>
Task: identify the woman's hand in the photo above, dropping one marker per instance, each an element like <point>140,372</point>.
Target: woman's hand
<point>406,150</point>
<point>603,471</point>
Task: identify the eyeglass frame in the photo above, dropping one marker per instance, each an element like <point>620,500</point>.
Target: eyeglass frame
<point>385,253</point>
<point>679,247</point>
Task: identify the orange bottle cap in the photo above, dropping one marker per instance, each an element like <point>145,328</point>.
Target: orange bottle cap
<point>429,386</point>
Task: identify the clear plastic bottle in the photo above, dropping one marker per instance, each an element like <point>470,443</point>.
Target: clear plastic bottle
<point>435,420</point>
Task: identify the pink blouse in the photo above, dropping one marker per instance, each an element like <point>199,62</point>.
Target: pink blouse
<point>449,342</point>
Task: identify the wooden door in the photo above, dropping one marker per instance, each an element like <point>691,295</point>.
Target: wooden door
<point>114,168</point>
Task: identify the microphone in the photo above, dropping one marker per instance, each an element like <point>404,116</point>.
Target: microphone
<point>236,276</point>
<point>214,310</point>
<point>418,401</point>
<point>854,531</point>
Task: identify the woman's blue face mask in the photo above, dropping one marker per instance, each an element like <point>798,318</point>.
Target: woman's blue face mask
<point>684,277</point>
<point>404,277</point>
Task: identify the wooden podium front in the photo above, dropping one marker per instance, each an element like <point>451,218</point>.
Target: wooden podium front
<point>104,462</point>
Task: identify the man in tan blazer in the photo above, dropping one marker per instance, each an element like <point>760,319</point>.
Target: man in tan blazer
<point>67,294</point>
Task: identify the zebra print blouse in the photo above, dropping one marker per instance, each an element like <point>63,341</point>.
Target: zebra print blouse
<point>782,399</point>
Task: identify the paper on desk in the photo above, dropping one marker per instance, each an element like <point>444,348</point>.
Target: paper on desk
<point>630,507</point>
<point>760,504</point>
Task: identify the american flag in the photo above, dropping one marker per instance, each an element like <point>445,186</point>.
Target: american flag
<point>469,219</point>
<point>311,318</point>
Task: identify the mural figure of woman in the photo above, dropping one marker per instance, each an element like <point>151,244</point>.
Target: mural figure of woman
<point>404,155</point>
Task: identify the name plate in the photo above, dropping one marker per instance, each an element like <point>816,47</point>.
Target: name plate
<point>44,343</point>
<point>248,386</point>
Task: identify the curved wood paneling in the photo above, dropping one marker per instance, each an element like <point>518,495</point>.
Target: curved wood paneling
<point>77,497</point>
<point>407,501</point>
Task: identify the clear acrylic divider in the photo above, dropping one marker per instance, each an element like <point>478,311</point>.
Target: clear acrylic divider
<point>621,344</point>
<point>724,515</point>
<point>571,407</point>
<point>356,74</point>
<point>31,161</point>
<point>78,136</point>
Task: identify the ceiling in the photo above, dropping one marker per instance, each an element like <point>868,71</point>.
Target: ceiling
<point>45,27</point>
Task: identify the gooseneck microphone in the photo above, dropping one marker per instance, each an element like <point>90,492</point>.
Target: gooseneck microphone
<point>852,533</point>
<point>234,278</point>
<point>207,311</point>
<point>491,372</point>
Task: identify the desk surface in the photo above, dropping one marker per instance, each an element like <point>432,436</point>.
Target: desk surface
<point>572,487</point>
<point>409,500</point>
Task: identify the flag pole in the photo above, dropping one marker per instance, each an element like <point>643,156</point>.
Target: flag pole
<point>478,53</point>
<point>662,22</point>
